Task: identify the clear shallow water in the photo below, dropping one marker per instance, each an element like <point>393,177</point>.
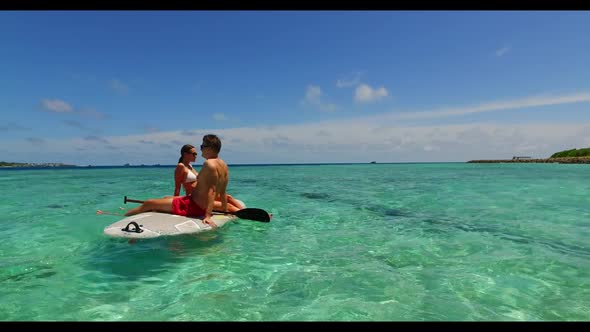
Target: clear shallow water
<point>348,242</point>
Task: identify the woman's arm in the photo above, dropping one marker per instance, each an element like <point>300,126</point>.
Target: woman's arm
<point>179,175</point>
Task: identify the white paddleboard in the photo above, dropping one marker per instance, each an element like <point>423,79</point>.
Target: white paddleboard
<point>156,224</point>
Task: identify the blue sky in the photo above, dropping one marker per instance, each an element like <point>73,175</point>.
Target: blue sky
<point>108,87</point>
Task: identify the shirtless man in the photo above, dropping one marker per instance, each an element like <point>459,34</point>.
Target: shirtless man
<point>211,183</point>
<point>212,179</point>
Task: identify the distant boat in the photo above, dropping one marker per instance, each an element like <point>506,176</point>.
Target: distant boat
<point>126,165</point>
<point>373,162</point>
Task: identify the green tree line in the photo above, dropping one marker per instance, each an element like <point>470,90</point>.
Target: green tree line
<point>572,153</point>
<point>4,163</point>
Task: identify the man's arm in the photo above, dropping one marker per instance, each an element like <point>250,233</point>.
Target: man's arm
<point>209,178</point>
<point>210,201</point>
<point>223,197</point>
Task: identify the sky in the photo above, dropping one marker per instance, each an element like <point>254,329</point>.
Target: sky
<point>116,87</point>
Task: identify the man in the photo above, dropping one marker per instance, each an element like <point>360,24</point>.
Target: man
<point>212,179</point>
<point>211,183</point>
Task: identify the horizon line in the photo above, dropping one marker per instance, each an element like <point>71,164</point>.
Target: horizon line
<point>42,165</point>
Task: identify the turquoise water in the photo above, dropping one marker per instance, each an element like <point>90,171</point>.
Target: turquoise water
<point>348,242</point>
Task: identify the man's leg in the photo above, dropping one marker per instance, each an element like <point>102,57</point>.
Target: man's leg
<point>230,207</point>
<point>232,201</point>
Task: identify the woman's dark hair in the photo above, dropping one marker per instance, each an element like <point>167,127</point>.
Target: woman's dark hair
<point>185,149</point>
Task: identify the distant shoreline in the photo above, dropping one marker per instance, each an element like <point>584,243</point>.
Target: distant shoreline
<point>5,164</point>
<point>63,166</point>
<point>565,160</point>
<point>31,166</point>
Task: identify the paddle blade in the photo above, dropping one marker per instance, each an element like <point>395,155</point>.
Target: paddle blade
<point>253,214</point>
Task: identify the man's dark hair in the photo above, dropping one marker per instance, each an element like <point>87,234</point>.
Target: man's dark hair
<point>213,142</point>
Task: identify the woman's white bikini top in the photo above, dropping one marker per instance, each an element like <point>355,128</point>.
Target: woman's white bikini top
<point>190,177</point>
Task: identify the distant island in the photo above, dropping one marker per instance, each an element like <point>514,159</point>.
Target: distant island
<point>5,164</point>
<point>573,156</point>
<point>572,153</point>
<point>13,164</point>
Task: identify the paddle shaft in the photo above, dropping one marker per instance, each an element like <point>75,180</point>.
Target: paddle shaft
<point>132,200</point>
<point>107,212</point>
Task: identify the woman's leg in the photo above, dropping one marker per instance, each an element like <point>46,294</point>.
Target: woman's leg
<point>157,205</point>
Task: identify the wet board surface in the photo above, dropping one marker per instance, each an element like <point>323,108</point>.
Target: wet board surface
<point>155,224</point>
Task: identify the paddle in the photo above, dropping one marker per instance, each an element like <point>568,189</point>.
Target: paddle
<point>107,212</point>
<point>247,213</point>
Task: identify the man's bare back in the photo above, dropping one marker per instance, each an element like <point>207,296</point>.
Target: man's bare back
<point>212,179</point>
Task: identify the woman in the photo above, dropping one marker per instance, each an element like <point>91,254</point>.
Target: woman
<point>186,176</point>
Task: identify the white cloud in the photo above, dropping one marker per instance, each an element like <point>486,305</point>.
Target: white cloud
<point>119,87</point>
<point>334,141</point>
<point>313,96</point>
<point>151,129</point>
<point>90,112</point>
<point>94,138</point>
<point>328,107</point>
<point>495,106</point>
<point>177,142</point>
<point>219,117</point>
<point>362,139</point>
<point>75,124</point>
<point>189,133</point>
<point>35,140</point>
<point>348,82</point>
<point>502,51</point>
<point>365,94</point>
<point>56,105</point>
<point>13,127</point>
<point>60,106</point>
